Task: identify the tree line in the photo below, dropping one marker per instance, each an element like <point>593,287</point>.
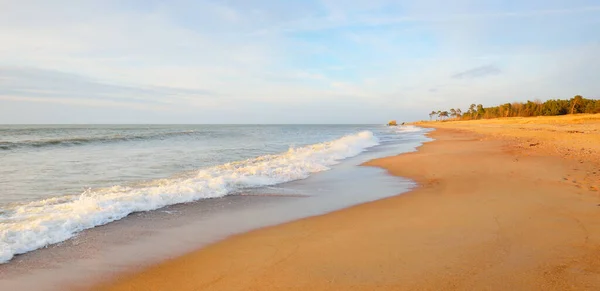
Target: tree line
<point>551,107</point>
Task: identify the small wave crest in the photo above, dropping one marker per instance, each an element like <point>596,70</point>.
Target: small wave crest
<point>409,128</point>
<point>30,226</point>
<point>75,141</point>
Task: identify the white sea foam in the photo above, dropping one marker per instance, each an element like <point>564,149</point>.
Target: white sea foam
<point>37,224</point>
<point>409,128</point>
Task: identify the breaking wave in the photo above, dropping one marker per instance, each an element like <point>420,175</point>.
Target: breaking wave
<point>409,128</point>
<point>34,225</point>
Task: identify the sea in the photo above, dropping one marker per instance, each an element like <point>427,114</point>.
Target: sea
<point>90,200</point>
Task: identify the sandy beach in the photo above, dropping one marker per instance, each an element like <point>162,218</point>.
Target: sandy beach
<point>508,204</point>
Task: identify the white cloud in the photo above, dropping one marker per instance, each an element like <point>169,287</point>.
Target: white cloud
<point>195,56</point>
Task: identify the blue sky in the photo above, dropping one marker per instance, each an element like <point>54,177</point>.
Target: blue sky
<point>288,61</point>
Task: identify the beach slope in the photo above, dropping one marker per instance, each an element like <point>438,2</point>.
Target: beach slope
<point>492,211</point>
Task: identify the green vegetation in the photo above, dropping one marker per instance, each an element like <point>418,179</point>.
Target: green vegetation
<point>551,107</point>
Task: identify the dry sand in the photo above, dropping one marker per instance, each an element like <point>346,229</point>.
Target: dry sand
<point>500,207</point>
<point>573,136</point>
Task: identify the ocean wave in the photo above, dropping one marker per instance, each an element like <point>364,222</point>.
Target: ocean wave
<point>34,225</point>
<point>74,141</point>
<point>409,128</point>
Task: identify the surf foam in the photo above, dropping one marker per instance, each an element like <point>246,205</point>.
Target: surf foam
<point>34,225</point>
<point>409,128</point>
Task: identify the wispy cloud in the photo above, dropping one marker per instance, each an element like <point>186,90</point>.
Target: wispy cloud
<point>337,18</point>
<point>478,72</point>
<point>206,60</point>
<point>31,84</point>
<point>376,20</point>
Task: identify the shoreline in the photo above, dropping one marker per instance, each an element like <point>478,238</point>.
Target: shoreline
<point>144,239</point>
<point>464,227</point>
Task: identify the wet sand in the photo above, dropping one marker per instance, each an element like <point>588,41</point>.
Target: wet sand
<point>144,239</point>
<point>497,209</point>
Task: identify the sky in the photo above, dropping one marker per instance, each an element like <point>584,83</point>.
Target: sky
<point>312,61</point>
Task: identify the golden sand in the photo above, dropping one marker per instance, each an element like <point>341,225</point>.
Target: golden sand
<point>508,204</point>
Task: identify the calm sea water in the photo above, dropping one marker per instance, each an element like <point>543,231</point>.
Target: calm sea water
<point>56,181</point>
